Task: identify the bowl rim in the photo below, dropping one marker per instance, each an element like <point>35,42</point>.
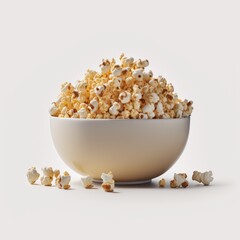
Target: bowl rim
<point>106,119</point>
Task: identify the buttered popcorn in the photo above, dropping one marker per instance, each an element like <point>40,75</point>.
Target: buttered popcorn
<point>120,91</point>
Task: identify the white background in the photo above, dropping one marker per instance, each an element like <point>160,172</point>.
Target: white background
<point>194,44</point>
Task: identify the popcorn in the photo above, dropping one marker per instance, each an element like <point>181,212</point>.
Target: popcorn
<point>205,178</point>
<point>162,183</point>
<point>47,177</point>
<point>116,71</point>
<point>108,182</point>
<point>125,97</point>
<point>98,90</point>
<point>142,63</point>
<point>53,110</point>
<point>32,175</point>
<point>179,180</point>
<point>154,98</point>
<point>138,74</point>
<point>159,109</point>
<point>114,108</point>
<point>93,106</point>
<point>87,182</point>
<point>83,113</point>
<point>139,93</point>
<point>147,75</point>
<point>46,181</point>
<point>62,182</point>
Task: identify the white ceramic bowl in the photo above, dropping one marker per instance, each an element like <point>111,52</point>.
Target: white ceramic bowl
<point>134,150</point>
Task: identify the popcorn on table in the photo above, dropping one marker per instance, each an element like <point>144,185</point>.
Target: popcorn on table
<point>87,182</point>
<point>47,177</point>
<point>180,180</point>
<point>108,182</point>
<point>32,175</point>
<point>120,91</point>
<point>205,177</point>
<point>63,181</point>
<point>162,183</point>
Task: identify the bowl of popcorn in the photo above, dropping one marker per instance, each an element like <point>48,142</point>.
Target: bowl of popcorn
<point>120,119</point>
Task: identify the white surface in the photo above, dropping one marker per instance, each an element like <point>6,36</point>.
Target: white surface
<point>195,45</point>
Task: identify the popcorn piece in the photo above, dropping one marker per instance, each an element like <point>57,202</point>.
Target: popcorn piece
<point>87,182</point>
<point>47,177</point>
<point>98,90</point>
<point>114,108</point>
<point>108,182</point>
<point>46,180</point>
<point>142,64</point>
<point>205,177</point>
<point>125,97</point>
<point>162,183</point>
<point>126,62</point>
<point>147,75</point>
<point>105,66</point>
<point>83,113</point>
<point>93,106</point>
<point>62,182</point>
<point>32,175</point>
<point>116,71</point>
<point>138,74</point>
<point>179,178</point>
<point>53,110</point>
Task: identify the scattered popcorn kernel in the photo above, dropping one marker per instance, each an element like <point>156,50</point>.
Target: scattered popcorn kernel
<point>179,178</point>
<point>87,182</point>
<point>205,177</point>
<point>108,182</point>
<point>46,180</point>
<point>162,183</point>
<point>32,175</point>
<point>128,84</point>
<point>62,182</point>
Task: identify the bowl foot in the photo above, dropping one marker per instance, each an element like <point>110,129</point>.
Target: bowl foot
<point>126,183</point>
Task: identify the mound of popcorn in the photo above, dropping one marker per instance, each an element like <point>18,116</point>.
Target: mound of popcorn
<point>125,90</point>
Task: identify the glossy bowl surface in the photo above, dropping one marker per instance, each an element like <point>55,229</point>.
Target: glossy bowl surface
<point>134,150</point>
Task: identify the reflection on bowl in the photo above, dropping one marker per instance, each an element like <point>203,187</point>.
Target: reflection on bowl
<point>134,150</point>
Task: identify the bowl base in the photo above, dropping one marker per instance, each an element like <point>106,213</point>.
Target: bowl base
<point>126,183</point>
